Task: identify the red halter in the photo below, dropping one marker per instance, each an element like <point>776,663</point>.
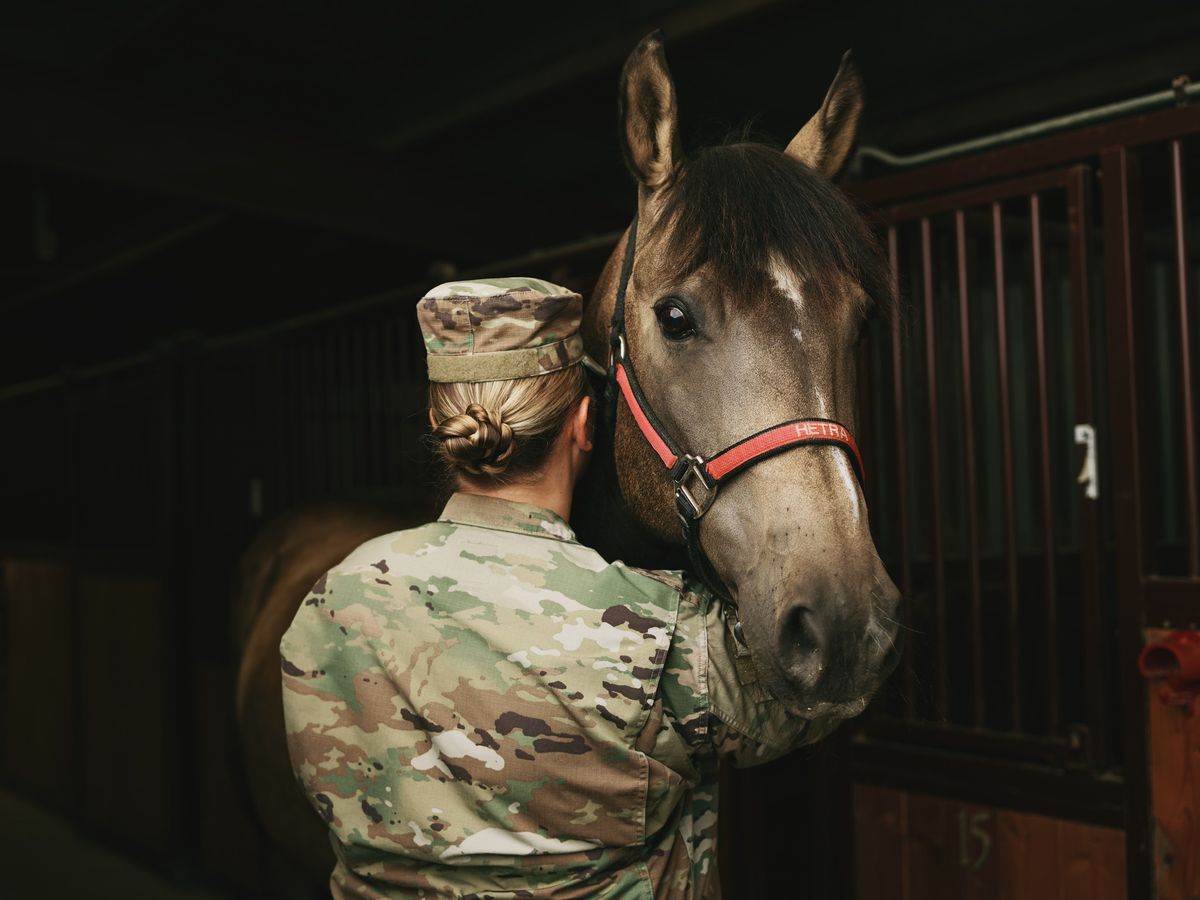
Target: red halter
<point>687,470</point>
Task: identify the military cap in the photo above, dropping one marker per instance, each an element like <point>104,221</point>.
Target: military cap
<point>495,329</point>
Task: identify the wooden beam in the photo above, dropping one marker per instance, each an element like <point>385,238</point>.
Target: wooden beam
<point>72,127</point>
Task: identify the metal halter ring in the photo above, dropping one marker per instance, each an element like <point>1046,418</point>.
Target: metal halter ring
<point>689,467</point>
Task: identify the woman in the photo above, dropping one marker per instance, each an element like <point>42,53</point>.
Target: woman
<point>482,706</point>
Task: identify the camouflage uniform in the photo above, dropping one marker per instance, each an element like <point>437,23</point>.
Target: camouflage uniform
<point>483,707</point>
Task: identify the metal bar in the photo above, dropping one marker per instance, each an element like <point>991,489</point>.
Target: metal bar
<point>1127,496</point>
<point>1049,568</point>
<point>968,409</point>
<point>970,778</point>
<point>354,347</point>
<point>1067,147</point>
<point>901,423</point>
<point>1006,455</point>
<point>389,361</point>
<point>985,742</point>
<point>1034,130</point>
<point>935,474</point>
<point>1095,634</point>
<point>1021,186</point>
<point>1179,208</point>
<point>374,425</point>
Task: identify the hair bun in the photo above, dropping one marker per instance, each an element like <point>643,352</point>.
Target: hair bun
<point>477,441</point>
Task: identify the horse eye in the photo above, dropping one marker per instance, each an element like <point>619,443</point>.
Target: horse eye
<point>674,321</point>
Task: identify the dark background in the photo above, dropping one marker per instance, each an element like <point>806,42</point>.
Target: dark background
<point>180,165</point>
<point>184,183</point>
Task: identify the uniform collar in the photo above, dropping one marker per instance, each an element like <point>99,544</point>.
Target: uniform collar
<point>506,515</point>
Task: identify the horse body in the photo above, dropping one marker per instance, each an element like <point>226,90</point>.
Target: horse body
<point>771,272</point>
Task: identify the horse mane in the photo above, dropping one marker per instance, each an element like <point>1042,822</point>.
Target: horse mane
<point>738,205</point>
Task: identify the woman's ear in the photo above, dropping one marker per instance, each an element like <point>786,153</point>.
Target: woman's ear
<point>581,425</point>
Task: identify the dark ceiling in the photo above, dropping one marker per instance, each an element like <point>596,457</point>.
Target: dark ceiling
<point>172,165</point>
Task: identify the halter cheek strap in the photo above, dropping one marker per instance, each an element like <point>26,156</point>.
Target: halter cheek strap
<point>697,480</point>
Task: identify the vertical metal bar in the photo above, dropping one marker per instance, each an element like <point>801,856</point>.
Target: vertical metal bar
<point>901,445</point>
<point>1126,487</point>
<point>307,365</point>
<point>1179,210</point>
<point>358,434</point>
<point>935,474</point>
<point>1096,630</point>
<point>1006,455</point>
<point>373,337</point>
<point>392,471</point>
<point>1049,568</point>
<point>329,421</point>
<point>968,408</point>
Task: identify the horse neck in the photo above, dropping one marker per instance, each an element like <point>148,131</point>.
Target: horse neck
<point>602,518</point>
<point>604,521</point>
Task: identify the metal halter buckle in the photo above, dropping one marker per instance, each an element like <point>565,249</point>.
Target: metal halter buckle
<point>693,467</point>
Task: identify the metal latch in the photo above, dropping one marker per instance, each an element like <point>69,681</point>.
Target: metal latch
<point>1086,435</point>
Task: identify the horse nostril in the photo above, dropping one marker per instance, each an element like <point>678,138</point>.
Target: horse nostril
<point>800,645</point>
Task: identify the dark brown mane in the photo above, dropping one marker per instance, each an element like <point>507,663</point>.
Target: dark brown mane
<point>737,205</point>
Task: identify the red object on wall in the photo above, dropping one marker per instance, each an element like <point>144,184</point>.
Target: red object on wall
<point>1176,660</point>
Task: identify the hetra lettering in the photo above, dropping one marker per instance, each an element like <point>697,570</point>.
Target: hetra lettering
<point>821,430</point>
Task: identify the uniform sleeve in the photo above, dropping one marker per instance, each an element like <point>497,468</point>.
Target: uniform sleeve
<point>743,723</point>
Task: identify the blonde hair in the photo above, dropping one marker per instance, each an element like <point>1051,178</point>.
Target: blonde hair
<point>501,430</point>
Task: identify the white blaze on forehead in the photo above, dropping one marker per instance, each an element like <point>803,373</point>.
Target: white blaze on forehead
<point>842,464</point>
<point>841,461</point>
<point>788,283</point>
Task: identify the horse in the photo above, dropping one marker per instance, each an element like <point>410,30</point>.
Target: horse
<point>740,291</point>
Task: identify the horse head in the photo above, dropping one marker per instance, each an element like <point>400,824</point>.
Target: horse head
<point>750,280</point>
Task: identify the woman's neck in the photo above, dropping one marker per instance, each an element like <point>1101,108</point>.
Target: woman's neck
<point>550,488</point>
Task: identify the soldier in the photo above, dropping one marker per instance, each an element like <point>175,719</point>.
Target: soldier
<point>484,707</point>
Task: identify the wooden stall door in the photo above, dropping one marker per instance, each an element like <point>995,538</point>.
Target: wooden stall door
<point>123,660</point>
<point>36,672</point>
<point>919,847</point>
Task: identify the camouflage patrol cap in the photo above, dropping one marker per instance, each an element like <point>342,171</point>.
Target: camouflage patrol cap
<point>495,329</point>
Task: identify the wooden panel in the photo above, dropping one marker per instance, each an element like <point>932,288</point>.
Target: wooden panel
<point>950,849</point>
<point>880,820</point>
<point>36,707</point>
<point>919,847</point>
<point>229,839</point>
<point>1028,857</point>
<point>1174,747</point>
<point>124,710</point>
<point>1093,862</point>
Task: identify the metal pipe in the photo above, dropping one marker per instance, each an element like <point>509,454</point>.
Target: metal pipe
<point>901,447</point>
<point>1191,479</point>
<point>1049,563</point>
<point>935,476</point>
<point>968,411</point>
<point>1006,450</point>
<point>1182,89</point>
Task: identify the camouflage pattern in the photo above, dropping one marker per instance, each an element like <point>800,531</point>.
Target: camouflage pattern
<point>500,328</point>
<point>483,707</point>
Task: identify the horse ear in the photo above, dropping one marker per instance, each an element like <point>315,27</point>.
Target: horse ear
<point>825,141</point>
<point>649,119</point>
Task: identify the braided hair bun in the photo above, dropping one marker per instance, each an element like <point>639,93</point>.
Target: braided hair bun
<point>477,441</point>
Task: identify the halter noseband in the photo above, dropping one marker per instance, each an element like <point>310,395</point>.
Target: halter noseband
<point>690,471</point>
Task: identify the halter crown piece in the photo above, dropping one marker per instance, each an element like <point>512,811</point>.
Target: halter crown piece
<point>689,471</point>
